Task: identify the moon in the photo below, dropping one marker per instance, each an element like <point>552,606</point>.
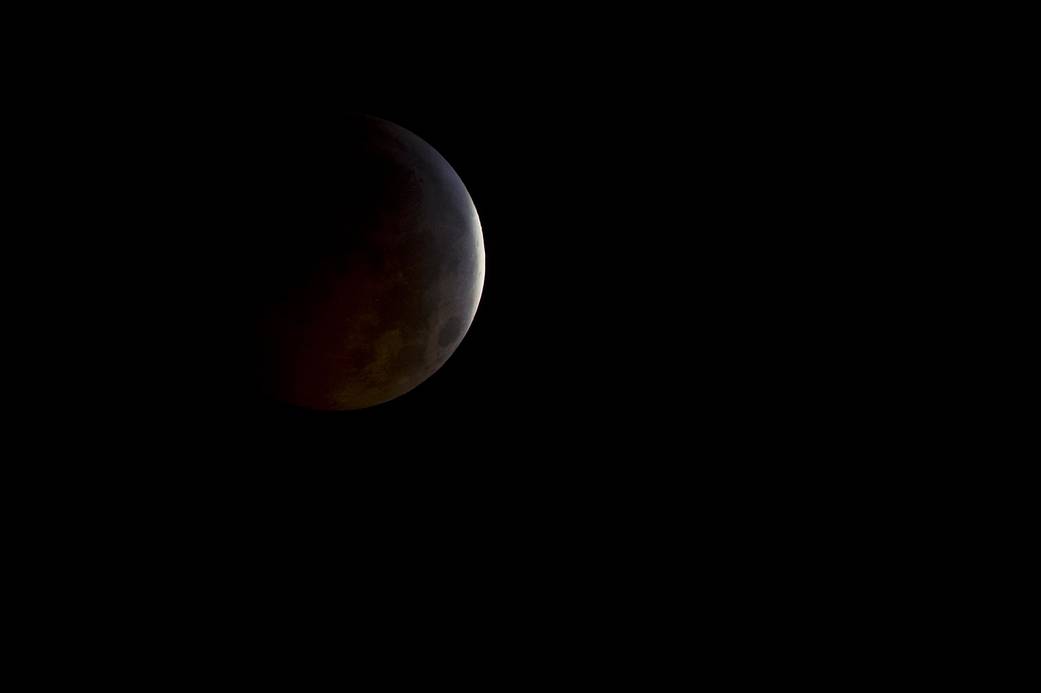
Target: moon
<point>375,293</point>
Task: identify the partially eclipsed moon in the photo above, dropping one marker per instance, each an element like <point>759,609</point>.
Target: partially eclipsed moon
<point>379,297</point>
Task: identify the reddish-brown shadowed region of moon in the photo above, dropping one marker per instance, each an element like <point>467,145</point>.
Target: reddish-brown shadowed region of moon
<point>376,300</point>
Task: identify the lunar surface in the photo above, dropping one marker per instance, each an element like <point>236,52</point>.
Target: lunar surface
<point>378,290</point>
